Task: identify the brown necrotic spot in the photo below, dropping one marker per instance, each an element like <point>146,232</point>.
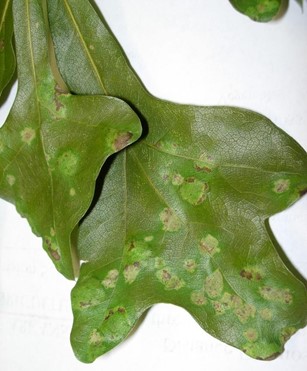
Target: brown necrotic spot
<point>170,221</point>
<point>194,191</point>
<point>85,305</point>
<point>218,307</point>
<point>131,271</point>
<point>251,335</point>
<point>27,135</point>
<point>209,245</point>
<point>251,274</point>
<point>281,185</point>
<point>190,265</point>
<point>2,45</point>
<point>177,179</point>
<point>122,140</point>
<point>169,279</point>
<point>52,248</point>
<point>58,91</point>
<point>198,298</point>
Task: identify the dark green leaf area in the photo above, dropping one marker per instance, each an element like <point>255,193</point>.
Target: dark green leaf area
<point>180,231</point>
<point>258,10</point>
<point>53,145</point>
<point>7,56</point>
<point>182,214</point>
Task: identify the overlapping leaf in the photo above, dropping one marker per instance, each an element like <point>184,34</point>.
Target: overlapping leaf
<point>188,223</point>
<point>7,56</point>
<point>53,145</point>
<point>258,10</point>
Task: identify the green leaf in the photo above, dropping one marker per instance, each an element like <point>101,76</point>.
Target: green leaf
<point>7,56</point>
<point>188,223</point>
<point>258,10</point>
<point>53,144</point>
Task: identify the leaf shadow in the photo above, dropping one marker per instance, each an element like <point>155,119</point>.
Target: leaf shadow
<point>7,90</point>
<point>283,255</point>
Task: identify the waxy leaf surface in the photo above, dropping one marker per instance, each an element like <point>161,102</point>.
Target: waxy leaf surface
<point>258,10</point>
<point>53,145</point>
<point>182,214</point>
<point>7,56</point>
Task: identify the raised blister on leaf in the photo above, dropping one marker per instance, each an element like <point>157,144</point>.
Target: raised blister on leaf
<point>53,145</point>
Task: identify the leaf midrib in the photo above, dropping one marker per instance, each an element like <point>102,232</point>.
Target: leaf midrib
<point>38,105</point>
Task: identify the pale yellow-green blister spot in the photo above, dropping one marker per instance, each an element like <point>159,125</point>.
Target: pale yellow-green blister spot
<point>205,164</point>
<point>214,284</point>
<point>159,263</point>
<point>110,281</point>
<point>1,146</point>
<point>96,338</point>
<point>281,185</point>
<point>209,245</point>
<point>148,238</point>
<point>72,192</point>
<point>245,312</point>
<point>286,333</point>
<point>170,221</point>
<point>190,265</point>
<point>52,232</point>
<point>11,180</point>
<point>266,314</point>
<point>219,307</point>
<point>68,163</point>
<point>251,335</point>
<point>198,298</point>
<point>194,191</point>
<point>131,272</point>
<point>262,350</point>
<point>169,279</point>
<point>274,294</point>
<point>177,179</point>
<point>28,135</point>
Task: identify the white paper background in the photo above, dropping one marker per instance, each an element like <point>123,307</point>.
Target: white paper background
<point>189,51</point>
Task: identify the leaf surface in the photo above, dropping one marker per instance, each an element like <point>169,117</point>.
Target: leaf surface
<point>53,145</point>
<point>7,56</point>
<point>258,10</point>
<point>188,225</point>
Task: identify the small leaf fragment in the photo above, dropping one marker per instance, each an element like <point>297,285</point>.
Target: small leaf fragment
<point>258,10</point>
